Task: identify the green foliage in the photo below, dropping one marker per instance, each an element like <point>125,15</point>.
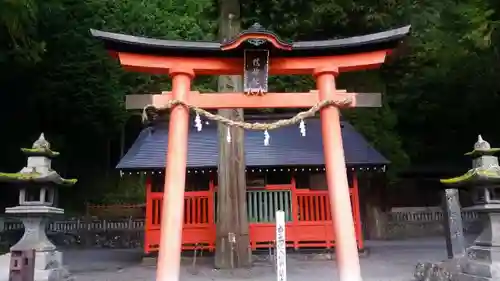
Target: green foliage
<point>317,20</point>
<point>16,16</point>
<point>18,24</point>
<point>129,189</point>
<point>75,93</point>
<point>439,93</point>
<point>444,85</point>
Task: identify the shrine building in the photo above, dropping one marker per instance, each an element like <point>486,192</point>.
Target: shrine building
<point>288,174</point>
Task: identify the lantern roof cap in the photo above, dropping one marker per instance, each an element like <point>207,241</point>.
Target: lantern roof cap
<point>482,147</point>
<point>485,168</point>
<point>38,168</point>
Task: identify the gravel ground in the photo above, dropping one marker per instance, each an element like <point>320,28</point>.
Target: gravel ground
<point>387,261</point>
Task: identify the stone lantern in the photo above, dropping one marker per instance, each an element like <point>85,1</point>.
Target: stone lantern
<point>481,260</point>
<point>38,184</point>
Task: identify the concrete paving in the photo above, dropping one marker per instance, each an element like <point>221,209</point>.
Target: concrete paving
<point>386,261</point>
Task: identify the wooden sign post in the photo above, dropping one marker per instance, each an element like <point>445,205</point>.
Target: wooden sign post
<point>280,246</point>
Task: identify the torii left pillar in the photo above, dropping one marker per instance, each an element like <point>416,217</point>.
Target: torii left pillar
<point>169,257</point>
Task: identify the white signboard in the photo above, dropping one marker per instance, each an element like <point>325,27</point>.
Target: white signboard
<point>280,246</point>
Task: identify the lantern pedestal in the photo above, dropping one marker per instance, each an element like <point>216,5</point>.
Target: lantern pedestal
<point>35,220</point>
<point>482,259</point>
<point>48,261</point>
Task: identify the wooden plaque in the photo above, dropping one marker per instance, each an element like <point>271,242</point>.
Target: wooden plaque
<point>256,71</point>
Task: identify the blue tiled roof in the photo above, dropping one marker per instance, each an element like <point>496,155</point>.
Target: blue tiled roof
<point>287,148</point>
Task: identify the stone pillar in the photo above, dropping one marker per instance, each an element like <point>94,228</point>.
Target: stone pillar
<point>454,230</point>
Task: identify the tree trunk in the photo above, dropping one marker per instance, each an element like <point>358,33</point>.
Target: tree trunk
<point>232,244</point>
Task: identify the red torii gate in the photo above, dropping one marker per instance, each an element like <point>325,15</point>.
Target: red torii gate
<point>255,53</point>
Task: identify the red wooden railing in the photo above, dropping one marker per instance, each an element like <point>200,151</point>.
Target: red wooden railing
<point>310,224</point>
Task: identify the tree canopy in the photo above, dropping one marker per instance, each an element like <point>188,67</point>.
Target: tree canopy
<point>439,93</point>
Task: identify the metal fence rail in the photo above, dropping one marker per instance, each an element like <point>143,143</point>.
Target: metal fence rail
<point>396,215</point>
<point>76,225</point>
<point>424,214</point>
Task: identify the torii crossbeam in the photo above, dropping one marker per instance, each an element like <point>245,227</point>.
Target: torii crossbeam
<point>255,53</point>
<point>240,100</point>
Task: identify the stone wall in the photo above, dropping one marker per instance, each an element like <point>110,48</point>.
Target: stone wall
<point>423,221</point>
<point>96,239</point>
<point>79,233</point>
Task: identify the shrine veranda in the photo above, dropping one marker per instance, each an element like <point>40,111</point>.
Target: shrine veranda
<point>255,54</point>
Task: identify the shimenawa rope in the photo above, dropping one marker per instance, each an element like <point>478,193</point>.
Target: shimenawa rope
<point>151,110</point>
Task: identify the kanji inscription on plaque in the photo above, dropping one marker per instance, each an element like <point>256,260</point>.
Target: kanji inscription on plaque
<point>256,71</point>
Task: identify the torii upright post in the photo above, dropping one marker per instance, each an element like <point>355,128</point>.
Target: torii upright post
<point>255,53</point>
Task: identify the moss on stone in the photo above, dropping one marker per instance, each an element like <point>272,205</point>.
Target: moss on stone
<point>479,152</point>
<point>470,175</point>
<point>69,181</point>
<point>40,152</point>
<point>31,177</point>
<point>19,176</point>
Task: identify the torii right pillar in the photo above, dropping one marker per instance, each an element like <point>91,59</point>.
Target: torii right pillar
<point>346,248</point>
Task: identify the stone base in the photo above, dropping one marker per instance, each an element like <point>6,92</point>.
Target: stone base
<point>481,261</point>
<point>54,274</point>
<point>48,267</point>
<point>445,271</point>
<point>480,264</point>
